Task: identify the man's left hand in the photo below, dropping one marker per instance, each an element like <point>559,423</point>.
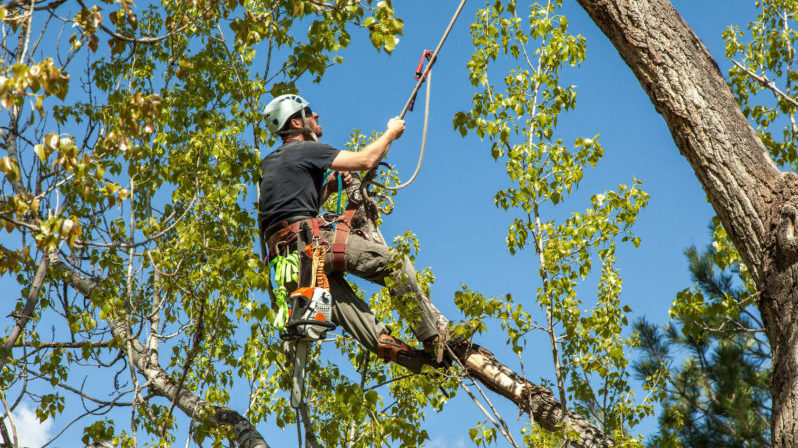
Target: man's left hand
<point>346,179</point>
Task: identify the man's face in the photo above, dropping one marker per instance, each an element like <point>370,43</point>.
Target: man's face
<point>312,120</point>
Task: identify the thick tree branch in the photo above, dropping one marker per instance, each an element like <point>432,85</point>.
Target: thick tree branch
<point>27,311</point>
<point>752,197</point>
<point>533,399</point>
<point>160,382</point>
<point>687,88</point>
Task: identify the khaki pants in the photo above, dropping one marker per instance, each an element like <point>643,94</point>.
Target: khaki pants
<point>369,261</point>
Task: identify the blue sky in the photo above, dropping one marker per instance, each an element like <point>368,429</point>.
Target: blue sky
<point>450,205</point>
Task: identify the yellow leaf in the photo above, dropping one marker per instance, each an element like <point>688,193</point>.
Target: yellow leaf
<point>66,226</point>
<point>10,168</point>
<point>51,140</point>
<point>40,151</point>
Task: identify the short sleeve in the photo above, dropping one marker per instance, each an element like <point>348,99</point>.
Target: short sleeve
<point>320,155</point>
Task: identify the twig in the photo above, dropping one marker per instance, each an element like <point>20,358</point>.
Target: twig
<point>4,432</point>
<point>46,345</point>
<point>766,83</point>
<point>310,435</point>
<point>10,419</point>
<point>138,40</point>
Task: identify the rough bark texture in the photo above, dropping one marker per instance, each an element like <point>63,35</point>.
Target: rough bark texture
<point>755,200</point>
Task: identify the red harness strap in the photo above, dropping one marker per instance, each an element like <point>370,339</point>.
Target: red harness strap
<point>338,247</point>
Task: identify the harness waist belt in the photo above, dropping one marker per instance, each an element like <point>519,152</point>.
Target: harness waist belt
<point>285,231</point>
<point>283,223</point>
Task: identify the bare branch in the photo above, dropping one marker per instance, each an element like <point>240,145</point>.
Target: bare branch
<point>10,419</point>
<point>27,311</point>
<point>46,345</point>
<point>16,4</point>
<point>310,436</point>
<point>762,79</point>
<point>138,40</point>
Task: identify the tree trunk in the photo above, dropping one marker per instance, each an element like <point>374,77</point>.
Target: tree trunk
<point>753,198</point>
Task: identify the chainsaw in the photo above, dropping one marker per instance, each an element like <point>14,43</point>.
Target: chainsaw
<point>309,320</point>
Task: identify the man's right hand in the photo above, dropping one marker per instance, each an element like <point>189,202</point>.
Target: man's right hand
<point>396,126</point>
<point>371,155</point>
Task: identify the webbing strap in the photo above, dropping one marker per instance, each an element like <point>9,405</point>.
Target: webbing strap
<point>319,278</point>
<point>338,247</point>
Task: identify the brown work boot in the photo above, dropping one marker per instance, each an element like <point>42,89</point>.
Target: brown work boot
<point>436,346</point>
<point>392,349</point>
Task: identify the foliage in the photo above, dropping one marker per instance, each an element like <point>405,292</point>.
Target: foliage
<point>129,150</point>
<point>765,64</point>
<point>719,393</point>
<point>519,117</point>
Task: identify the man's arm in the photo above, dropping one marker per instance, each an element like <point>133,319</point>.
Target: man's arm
<point>371,155</point>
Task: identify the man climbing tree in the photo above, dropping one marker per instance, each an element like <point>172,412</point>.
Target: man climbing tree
<point>292,189</point>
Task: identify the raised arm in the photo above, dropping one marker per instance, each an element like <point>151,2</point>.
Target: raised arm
<point>372,153</point>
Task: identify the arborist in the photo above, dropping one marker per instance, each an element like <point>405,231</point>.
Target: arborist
<point>292,189</point>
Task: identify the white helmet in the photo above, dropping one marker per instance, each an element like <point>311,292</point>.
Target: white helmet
<point>280,109</point>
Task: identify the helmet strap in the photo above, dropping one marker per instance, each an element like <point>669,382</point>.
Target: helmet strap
<point>306,128</point>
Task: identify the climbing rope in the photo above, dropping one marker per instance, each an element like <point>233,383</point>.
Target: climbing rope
<point>423,142</point>
<point>411,100</point>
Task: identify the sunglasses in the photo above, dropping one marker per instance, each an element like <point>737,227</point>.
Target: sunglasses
<point>308,112</point>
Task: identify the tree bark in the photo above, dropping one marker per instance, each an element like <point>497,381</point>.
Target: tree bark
<point>755,201</point>
<point>160,382</point>
<point>27,310</point>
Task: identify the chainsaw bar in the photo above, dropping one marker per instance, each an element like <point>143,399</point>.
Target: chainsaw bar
<point>298,381</point>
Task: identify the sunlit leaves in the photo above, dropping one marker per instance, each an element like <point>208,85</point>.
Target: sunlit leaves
<point>10,168</point>
<point>140,183</point>
<point>764,82</point>
<point>89,20</point>
<point>384,28</point>
<point>518,115</point>
<point>23,81</point>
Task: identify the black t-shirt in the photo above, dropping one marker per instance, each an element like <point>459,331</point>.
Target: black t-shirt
<point>292,180</point>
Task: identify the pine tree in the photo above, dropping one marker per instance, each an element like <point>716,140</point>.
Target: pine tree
<point>712,360</point>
